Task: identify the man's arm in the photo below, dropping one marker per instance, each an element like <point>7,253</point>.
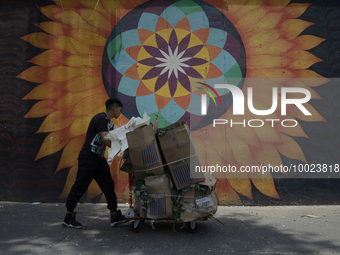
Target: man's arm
<point>106,142</point>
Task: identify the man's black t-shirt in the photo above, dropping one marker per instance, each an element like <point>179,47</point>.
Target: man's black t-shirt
<point>94,146</point>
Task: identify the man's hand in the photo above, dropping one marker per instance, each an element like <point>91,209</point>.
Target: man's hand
<point>106,142</point>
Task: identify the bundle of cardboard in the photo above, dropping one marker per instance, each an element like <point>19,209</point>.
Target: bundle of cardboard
<point>164,161</point>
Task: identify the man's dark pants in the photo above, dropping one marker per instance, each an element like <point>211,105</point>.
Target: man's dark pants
<point>89,169</point>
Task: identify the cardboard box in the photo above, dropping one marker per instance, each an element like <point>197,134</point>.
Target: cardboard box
<point>160,204</point>
<point>200,203</point>
<point>180,154</point>
<point>144,153</point>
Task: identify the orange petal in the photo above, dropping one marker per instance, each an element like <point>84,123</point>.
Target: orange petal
<point>245,133</point>
<point>133,51</point>
<point>269,21</point>
<point>262,38</point>
<point>68,157</point>
<point>144,34</point>
<point>132,72</point>
<point>184,24</point>
<point>51,10</point>
<point>53,142</point>
<point>91,38</point>
<point>202,34</point>
<point>88,104</point>
<point>161,101</point>
<point>162,24</point>
<point>183,101</point>
<point>142,90</point>
<point>275,47</point>
<point>96,19</point>
<point>269,73</point>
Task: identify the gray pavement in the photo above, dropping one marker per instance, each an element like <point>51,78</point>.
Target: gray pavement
<point>29,228</point>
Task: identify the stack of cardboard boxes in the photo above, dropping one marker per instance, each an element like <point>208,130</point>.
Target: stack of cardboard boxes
<point>165,159</point>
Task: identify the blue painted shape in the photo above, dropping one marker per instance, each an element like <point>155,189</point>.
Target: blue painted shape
<point>130,38</point>
<point>128,86</point>
<point>195,104</point>
<point>224,61</point>
<point>148,21</point>
<point>173,15</point>
<point>146,103</point>
<point>122,62</point>
<point>198,20</point>
<point>172,112</point>
<point>217,37</point>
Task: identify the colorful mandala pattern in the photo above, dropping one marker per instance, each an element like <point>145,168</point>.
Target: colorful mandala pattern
<point>161,53</point>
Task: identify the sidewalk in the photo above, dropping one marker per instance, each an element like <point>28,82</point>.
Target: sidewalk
<point>27,228</point>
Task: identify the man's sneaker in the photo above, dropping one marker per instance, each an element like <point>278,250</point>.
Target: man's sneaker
<point>70,221</point>
<point>117,218</point>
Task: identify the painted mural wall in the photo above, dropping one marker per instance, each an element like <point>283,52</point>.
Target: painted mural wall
<point>61,60</point>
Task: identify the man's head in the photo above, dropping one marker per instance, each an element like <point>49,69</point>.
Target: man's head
<point>113,106</point>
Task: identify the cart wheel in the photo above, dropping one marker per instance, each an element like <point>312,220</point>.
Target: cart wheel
<point>191,227</point>
<point>135,226</point>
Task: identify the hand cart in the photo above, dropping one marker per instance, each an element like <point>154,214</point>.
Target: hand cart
<point>137,221</point>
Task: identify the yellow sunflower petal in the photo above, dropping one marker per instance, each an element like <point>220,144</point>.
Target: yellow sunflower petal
<point>293,28</point>
<point>55,121</point>
<point>82,83</point>
<point>226,194</point>
<point>252,17</point>
<point>40,109</point>
<point>266,154</point>
<point>242,186</point>
<point>68,4</point>
<point>66,43</point>
<point>72,19</point>
<point>53,28</point>
<point>48,58</point>
<point>234,5</point>
<point>296,131</point>
<point>50,10</point>
<point>86,61</point>
<point>290,148</point>
<point>38,39</point>
<point>89,104</point>
<point>214,159</point>
<point>270,21</point>
<point>245,133</point>
<point>306,42</point>
<point>302,83</point>
<point>70,152</point>
<point>89,37</point>
<point>258,39</point>
<point>240,149</point>
<point>302,59</point>
<point>71,72</point>
<point>96,19</point>
<point>78,126</point>
<point>49,89</point>
<point>270,73</point>
<point>53,142</point>
<point>267,61</point>
<point>35,74</point>
<point>70,99</point>
<point>71,177</point>
<point>251,5</point>
<point>272,48</point>
<point>266,186</point>
<point>299,115</point>
<point>295,10</point>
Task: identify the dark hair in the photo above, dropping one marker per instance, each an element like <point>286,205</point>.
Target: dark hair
<point>110,103</point>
